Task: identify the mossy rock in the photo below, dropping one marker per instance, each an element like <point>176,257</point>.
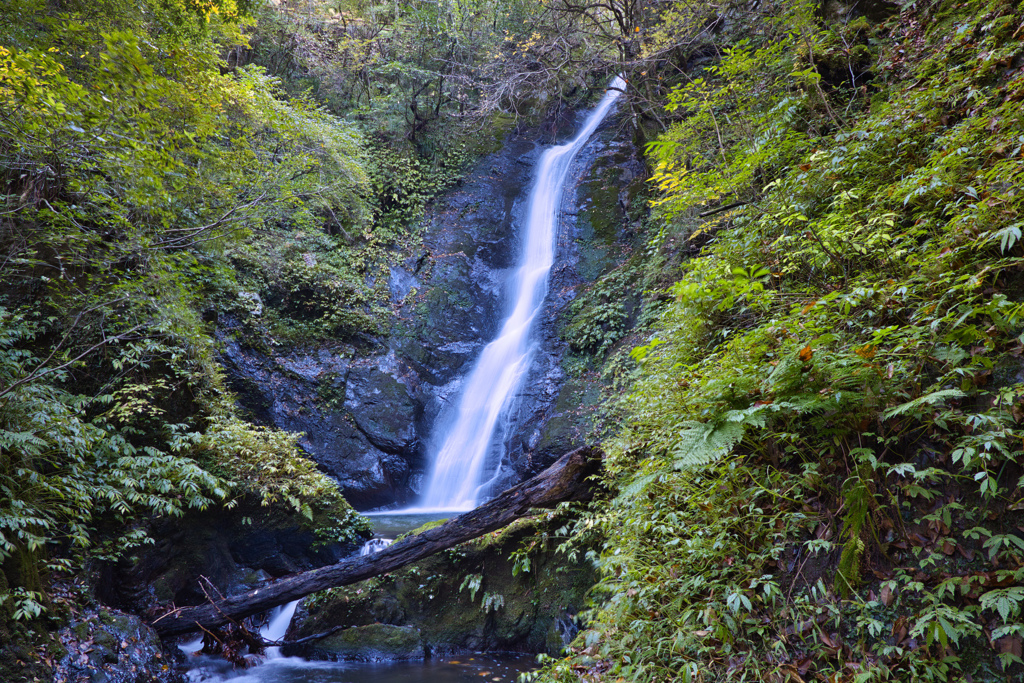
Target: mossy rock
<point>432,524</point>
<point>371,643</point>
<point>105,646</point>
<point>492,135</point>
<point>572,420</point>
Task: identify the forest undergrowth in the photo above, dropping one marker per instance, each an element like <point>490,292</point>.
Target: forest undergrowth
<point>130,164</point>
<point>818,476</point>
<point>820,472</point>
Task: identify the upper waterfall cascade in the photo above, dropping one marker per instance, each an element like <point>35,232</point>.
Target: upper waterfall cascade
<point>459,459</point>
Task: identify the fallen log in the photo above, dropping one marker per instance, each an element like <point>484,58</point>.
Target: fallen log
<point>566,480</point>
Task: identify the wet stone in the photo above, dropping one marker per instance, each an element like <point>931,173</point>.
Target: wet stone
<point>370,643</point>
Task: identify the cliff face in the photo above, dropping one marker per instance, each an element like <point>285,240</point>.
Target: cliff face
<point>367,409</point>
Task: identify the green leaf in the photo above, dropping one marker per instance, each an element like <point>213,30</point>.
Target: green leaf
<point>932,398</point>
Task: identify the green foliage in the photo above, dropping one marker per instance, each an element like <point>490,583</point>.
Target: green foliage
<point>859,500</point>
<point>472,584</point>
<point>818,473</point>
<point>263,461</point>
<point>313,286</point>
<point>492,602</point>
<point>404,183</point>
<point>409,76</point>
<point>26,604</point>
<point>131,167</point>
<point>598,318</point>
<point>663,557</point>
<point>60,471</point>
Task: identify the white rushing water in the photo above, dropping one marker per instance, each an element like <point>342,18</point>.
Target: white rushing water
<point>374,545</point>
<point>274,630</point>
<point>458,465</point>
<point>492,385</point>
<point>281,617</point>
<point>277,626</point>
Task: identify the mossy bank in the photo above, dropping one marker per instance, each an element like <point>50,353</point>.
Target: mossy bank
<point>508,591</point>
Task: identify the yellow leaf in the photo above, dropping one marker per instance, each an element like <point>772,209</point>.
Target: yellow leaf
<point>867,352</point>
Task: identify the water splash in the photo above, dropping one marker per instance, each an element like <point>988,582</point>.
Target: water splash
<point>491,387</point>
<point>281,617</point>
<point>374,545</point>
<point>192,647</point>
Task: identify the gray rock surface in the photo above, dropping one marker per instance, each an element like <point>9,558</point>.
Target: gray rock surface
<point>370,643</point>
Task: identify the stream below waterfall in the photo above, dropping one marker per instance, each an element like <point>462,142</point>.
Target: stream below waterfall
<point>463,458</point>
<point>497,668</point>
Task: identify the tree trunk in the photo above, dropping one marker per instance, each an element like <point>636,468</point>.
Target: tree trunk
<point>567,479</point>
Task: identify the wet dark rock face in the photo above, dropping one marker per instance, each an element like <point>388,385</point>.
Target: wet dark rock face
<point>358,416</point>
<point>107,646</point>
<point>368,414</point>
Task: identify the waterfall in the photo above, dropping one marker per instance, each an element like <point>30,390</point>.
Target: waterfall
<point>277,626</point>
<point>493,383</point>
<point>281,617</point>
<point>274,630</point>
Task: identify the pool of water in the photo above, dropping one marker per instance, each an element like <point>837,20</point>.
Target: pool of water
<point>393,524</point>
<point>481,668</point>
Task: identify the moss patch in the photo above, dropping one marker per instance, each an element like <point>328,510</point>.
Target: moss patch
<point>371,643</point>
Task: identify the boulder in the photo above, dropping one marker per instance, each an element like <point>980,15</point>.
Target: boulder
<point>370,643</point>
<point>383,409</point>
<point>107,646</point>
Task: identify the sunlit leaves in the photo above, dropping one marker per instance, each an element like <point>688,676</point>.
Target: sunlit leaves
<point>130,163</point>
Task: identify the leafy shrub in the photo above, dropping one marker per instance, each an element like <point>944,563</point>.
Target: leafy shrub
<point>130,164</point>
<point>267,463</point>
<point>61,472</point>
<point>598,318</point>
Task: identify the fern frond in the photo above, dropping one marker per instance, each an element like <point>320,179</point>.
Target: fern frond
<point>703,443</point>
<point>928,399</point>
<point>635,488</point>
